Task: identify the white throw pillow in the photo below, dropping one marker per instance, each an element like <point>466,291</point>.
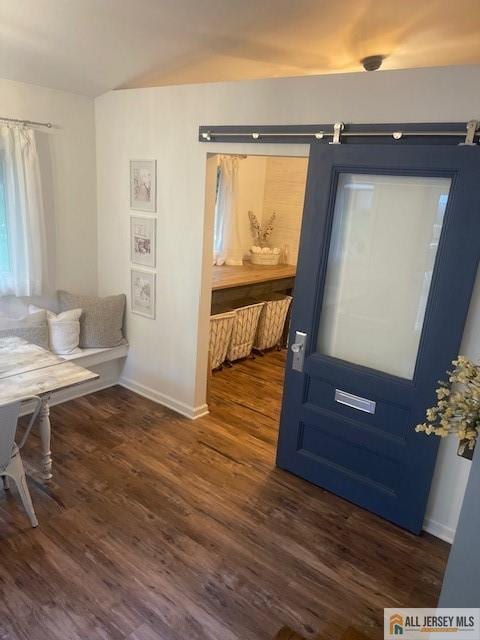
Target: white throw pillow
<point>63,330</point>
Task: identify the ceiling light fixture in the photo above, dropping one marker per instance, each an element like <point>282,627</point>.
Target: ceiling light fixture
<point>372,63</point>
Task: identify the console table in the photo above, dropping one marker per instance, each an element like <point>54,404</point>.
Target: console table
<point>250,281</point>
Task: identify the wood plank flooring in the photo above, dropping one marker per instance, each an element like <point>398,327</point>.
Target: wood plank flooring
<point>158,528</point>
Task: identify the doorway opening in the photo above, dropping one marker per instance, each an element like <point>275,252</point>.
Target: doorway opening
<point>256,205</point>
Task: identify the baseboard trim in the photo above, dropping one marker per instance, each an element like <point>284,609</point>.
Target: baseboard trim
<point>200,411</point>
<point>439,530</point>
<point>193,413</point>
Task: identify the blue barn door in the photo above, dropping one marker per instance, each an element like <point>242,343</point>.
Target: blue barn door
<point>389,249</point>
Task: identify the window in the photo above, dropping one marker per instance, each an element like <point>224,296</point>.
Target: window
<point>22,224</point>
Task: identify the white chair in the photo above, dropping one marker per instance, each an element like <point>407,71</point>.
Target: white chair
<point>11,465</point>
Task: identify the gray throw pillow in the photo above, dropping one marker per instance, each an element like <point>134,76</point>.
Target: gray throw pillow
<point>32,328</point>
<point>101,322</point>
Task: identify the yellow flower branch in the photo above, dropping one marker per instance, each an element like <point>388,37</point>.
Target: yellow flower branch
<point>458,408</point>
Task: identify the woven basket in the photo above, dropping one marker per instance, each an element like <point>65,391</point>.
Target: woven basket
<point>264,258</point>
<point>271,323</point>
<point>244,331</point>
<point>221,326</point>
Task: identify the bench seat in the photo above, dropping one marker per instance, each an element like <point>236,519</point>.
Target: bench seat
<point>108,363</point>
<point>89,357</point>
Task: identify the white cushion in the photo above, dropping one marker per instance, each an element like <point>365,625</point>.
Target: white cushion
<point>63,330</point>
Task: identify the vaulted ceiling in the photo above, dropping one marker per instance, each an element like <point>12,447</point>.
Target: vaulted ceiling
<point>92,46</point>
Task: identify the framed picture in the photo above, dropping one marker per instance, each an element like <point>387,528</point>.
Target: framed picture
<point>143,293</point>
<point>142,241</point>
<point>143,185</point>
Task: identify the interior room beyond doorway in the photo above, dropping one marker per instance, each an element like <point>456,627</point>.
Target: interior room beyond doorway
<point>257,212</point>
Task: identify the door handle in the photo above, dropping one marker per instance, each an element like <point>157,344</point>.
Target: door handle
<point>298,349</point>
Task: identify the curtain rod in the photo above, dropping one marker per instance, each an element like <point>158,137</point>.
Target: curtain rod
<point>27,122</point>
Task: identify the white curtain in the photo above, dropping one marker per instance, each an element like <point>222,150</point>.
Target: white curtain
<point>24,214</point>
<point>227,247</point>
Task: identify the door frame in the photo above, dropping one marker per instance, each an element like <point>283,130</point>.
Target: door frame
<point>290,150</point>
<point>294,141</point>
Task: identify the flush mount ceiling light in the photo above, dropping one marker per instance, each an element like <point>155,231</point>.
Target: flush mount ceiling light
<point>372,63</point>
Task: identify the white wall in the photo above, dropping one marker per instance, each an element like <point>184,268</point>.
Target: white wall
<point>168,355</point>
<point>451,472</point>
<point>67,161</point>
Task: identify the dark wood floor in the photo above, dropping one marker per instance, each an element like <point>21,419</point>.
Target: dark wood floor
<point>156,527</point>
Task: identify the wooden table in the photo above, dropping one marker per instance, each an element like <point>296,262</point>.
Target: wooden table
<point>249,280</point>
<point>28,370</point>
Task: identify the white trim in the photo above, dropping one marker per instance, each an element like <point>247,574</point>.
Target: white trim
<point>167,401</point>
<point>91,357</point>
<point>439,530</point>
<point>200,411</point>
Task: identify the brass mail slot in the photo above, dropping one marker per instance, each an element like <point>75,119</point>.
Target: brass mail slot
<point>362,404</point>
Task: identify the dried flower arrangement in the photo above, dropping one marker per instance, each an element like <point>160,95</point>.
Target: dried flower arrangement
<point>457,410</point>
<point>261,234</point>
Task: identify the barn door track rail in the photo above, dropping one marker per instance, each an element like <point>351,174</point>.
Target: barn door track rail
<point>340,133</point>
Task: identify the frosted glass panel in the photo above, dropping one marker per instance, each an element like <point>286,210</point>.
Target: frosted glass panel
<point>382,252</point>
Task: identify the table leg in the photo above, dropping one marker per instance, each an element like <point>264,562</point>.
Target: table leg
<point>45,436</point>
